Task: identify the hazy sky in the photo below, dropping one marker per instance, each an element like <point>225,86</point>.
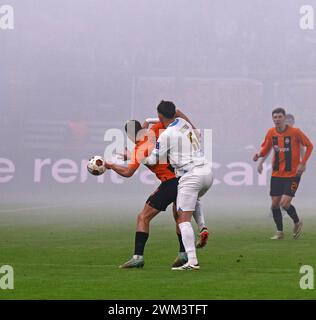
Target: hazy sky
<point>71,69</point>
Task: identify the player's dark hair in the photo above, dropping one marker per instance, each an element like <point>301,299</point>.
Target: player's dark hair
<point>132,127</point>
<point>167,109</point>
<point>278,110</point>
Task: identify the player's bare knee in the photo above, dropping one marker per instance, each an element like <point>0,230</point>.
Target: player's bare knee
<point>145,216</point>
<point>141,217</point>
<point>184,217</point>
<point>181,219</point>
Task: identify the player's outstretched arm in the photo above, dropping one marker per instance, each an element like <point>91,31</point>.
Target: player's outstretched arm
<point>126,155</point>
<point>121,170</point>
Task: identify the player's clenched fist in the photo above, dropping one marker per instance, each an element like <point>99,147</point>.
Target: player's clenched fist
<point>255,157</point>
<point>300,169</point>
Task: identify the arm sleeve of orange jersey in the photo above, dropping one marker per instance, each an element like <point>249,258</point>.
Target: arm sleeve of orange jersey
<point>266,145</point>
<point>306,143</point>
<point>142,151</point>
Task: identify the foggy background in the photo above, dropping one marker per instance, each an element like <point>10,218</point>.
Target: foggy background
<point>72,69</point>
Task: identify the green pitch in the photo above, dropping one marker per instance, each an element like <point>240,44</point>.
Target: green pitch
<point>74,254</point>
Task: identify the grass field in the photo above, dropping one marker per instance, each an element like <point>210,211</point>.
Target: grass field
<point>73,254</point>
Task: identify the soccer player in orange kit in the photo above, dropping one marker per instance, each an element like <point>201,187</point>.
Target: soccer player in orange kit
<point>159,200</point>
<point>287,168</point>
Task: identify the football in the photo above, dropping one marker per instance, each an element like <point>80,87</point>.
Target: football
<point>96,165</point>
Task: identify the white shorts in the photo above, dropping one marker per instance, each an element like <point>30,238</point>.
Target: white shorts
<point>193,185</point>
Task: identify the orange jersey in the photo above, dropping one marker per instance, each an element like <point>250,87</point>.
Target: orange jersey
<point>143,149</point>
<point>286,146</point>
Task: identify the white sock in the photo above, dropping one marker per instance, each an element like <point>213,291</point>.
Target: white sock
<point>187,234</point>
<point>198,215</point>
<point>136,256</point>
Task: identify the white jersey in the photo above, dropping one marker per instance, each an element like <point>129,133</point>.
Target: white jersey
<point>179,146</point>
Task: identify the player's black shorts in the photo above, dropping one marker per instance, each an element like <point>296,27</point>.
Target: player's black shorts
<point>164,195</point>
<point>284,186</point>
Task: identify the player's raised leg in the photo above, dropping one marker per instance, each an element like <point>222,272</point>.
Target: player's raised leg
<point>141,237</point>
<point>277,217</point>
<point>198,216</point>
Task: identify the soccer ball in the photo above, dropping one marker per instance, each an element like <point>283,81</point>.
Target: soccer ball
<point>96,165</point>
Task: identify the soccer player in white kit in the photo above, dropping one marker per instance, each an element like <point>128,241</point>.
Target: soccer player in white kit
<point>179,145</point>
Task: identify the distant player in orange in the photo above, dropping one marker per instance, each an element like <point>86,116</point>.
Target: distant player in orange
<point>289,120</point>
<point>287,168</point>
<point>159,200</point>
